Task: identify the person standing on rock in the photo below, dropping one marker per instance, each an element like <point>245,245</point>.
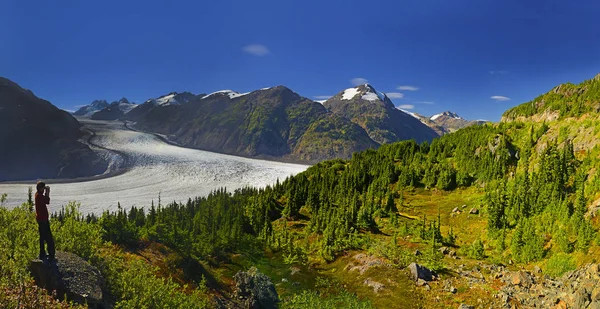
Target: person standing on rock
<point>41,214</point>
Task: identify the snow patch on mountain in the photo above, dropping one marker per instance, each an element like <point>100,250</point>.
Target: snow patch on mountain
<point>436,116</point>
<point>168,99</point>
<point>232,94</point>
<point>127,107</point>
<point>350,93</point>
<point>410,113</point>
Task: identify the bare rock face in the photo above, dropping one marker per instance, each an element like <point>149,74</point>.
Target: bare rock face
<point>255,289</point>
<point>70,276</point>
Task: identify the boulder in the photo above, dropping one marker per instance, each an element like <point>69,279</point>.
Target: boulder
<point>537,269</point>
<point>465,306</point>
<point>444,250</point>
<point>70,276</point>
<point>456,210</point>
<point>521,278</point>
<point>420,272</point>
<point>417,252</point>
<point>474,211</point>
<point>255,289</point>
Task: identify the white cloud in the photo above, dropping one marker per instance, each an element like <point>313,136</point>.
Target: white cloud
<point>407,88</point>
<point>358,81</point>
<point>394,95</point>
<point>498,72</point>
<point>256,50</point>
<point>406,106</point>
<point>500,98</point>
<point>322,97</point>
<point>426,102</point>
<point>78,106</point>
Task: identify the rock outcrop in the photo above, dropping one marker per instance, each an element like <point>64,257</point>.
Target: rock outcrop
<point>255,289</point>
<point>421,272</point>
<point>71,276</point>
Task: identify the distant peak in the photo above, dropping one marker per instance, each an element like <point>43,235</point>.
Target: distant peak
<point>447,114</point>
<point>123,100</point>
<point>99,103</point>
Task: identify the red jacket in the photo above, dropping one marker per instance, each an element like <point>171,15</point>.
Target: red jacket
<point>41,211</point>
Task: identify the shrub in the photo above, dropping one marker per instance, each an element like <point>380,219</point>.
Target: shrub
<point>73,234</point>
<point>476,250</point>
<point>559,264</point>
<point>18,244</point>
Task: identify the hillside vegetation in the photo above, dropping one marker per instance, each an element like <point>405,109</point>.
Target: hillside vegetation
<point>532,196</point>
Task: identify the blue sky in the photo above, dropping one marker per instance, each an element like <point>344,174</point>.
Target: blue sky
<point>459,54</point>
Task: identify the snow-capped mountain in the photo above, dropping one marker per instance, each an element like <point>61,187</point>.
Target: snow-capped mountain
<point>448,122</point>
<point>447,114</point>
<point>377,115</point>
<point>88,110</point>
<point>172,98</point>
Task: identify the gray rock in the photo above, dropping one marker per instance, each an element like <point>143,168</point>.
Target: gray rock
<point>453,290</point>
<point>421,282</point>
<point>537,269</point>
<point>70,276</point>
<point>255,289</point>
<point>420,272</point>
<point>465,306</point>
<point>474,211</point>
<point>456,210</point>
<point>417,253</point>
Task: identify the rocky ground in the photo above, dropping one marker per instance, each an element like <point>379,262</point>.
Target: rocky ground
<point>517,288</point>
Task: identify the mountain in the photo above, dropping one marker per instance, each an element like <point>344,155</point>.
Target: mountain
<point>451,121</point>
<point>160,105</point>
<point>376,114</point>
<point>39,140</point>
<point>89,110</point>
<point>115,110</point>
<point>271,122</point>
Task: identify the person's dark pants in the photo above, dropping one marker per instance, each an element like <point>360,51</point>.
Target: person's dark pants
<point>46,237</point>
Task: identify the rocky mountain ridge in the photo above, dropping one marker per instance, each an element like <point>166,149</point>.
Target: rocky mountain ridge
<point>43,141</point>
